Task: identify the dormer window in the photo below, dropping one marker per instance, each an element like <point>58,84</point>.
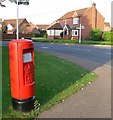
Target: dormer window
<point>75,20</point>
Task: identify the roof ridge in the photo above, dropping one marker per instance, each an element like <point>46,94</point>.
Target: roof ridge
<point>73,12</point>
<point>52,24</point>
<point>13,19</point>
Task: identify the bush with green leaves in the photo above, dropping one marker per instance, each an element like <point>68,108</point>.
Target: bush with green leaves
<point>96,34</point>
<point>42,33</point>
<point>61,34</point>
<point>108,36</point>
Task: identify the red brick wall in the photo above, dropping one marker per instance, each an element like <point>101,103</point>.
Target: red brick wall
<point>86,21</point>
<point>13,36</point>
<point>23,26</point>
<point>8,36</point>
<point>90,20</point>
<point>100,21</point>
<point>54,37</point>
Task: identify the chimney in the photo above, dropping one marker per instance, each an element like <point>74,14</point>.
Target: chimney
<point>94,15</point>
<point>94,5</point>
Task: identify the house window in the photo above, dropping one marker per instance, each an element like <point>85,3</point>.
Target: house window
<point>74,32</point>
<point>75,20</point>
<point>50,32</point>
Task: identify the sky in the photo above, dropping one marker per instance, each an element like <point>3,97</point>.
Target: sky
<point>47,11</point>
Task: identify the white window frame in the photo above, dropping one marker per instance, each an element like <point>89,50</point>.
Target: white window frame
<point>73,32</point>
<point>75,20</point>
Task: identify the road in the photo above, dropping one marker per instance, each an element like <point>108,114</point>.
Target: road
<point>99,54</point>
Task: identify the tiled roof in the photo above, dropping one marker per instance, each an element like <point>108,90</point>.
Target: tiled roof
<point>73,14</point>
<point>32,25</point>
<point>42,26</point>
<point>55,26</point>
<point>68,26</point>
<point>29,29</point>
<point>13,22</point>
<point>107,24</point>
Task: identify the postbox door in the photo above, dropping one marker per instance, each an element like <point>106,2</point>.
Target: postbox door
<point>26,70</point>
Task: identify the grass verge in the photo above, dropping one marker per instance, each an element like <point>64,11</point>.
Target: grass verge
<point>55,80</point>
<point>92,42</point>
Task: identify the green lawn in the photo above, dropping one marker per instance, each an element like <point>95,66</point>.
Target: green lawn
<point>55,80</point>
<point>72,41</point>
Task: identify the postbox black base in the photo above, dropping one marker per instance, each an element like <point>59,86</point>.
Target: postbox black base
<point>23,105</point>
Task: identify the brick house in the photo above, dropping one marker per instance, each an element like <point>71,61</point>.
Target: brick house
<point>9,29</point>
<point>107,27</point>
<point>69,24</point>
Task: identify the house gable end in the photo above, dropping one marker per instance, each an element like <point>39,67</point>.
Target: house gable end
<point>9,27</point>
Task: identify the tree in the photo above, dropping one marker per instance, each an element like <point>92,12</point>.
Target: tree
<point>24,2</point>
<point>4,29</point>
<point>1,3</point>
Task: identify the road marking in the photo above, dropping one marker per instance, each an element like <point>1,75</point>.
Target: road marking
<point>45,47</point>
<point>108,53</point>
<point>80,49</point>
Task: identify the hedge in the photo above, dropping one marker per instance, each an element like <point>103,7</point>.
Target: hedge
<point>108,36</point>
<point>96,34</point>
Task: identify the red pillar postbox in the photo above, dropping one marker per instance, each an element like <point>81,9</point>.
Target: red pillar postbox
<point>21,55</point>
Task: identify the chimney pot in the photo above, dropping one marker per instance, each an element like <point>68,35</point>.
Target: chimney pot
<point>94,4</point>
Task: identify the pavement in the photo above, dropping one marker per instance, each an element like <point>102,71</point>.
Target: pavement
<point>94,101</point>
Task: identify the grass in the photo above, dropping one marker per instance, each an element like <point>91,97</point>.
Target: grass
<point>72,41</point>
<point>0,82</point>
<point>55,80</point>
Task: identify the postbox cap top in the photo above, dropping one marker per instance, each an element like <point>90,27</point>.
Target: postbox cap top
<point>22,41</point>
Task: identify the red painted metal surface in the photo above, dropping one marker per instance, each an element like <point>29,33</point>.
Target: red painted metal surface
<point>21,55</point>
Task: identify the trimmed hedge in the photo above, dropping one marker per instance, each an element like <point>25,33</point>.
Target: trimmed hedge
<point>96,34</point>
<point>108,36</point>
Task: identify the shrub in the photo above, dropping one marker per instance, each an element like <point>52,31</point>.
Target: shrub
<point>42,33</point>
<point>61,34</point>
<point>108,36</point>
<point>96,34</point>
